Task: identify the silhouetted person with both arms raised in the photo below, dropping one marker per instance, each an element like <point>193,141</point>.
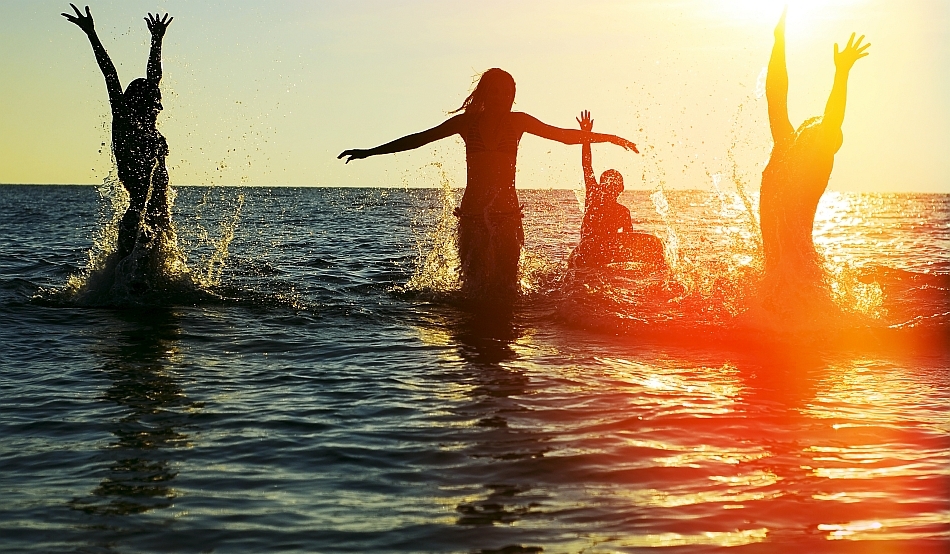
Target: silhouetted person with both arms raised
<point>607,234</point>
<point>798,170</point>
<point>490,233</point>
<point>138,147</point>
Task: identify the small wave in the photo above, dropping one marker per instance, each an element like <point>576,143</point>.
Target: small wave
<point>155,273</point>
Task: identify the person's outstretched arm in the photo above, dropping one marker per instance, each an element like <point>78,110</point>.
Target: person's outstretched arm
<point>844,60</point>
<point>530,124</point>
<point>776,86</point>
<point>448,128</point>
<point>157,27</point>
<point>86,23</point>
<point>590,181</point>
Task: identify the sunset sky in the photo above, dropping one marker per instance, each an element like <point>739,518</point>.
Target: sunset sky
<point>268,93</point>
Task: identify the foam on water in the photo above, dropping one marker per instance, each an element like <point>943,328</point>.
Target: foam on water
<point>212,266</point>
<point>437,259</point>
<point>714,284</point>
<point>154,273</point>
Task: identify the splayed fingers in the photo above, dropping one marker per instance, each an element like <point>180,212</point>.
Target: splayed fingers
<point>158,26</point>
<point>585,121</point>
<point>852,52</point>
<point>84,22</point>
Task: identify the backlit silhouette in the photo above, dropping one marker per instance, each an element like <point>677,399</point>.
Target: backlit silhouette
<point>798,169</point>
<point>490,233</point>
<point>607,234</point>
<point>138,147</point>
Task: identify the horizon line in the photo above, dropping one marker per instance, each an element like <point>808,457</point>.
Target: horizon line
<point>628,189</point>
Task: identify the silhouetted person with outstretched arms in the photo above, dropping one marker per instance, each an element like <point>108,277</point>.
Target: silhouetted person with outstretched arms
<point>490,233</point>
<point>799,167</point>
<point>138,147</point>
<point>607,234</point>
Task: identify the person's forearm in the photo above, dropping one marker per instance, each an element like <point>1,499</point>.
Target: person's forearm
<point>588,137</point>
<point>102,57</point>
<point>834,110</point>
<point>105,63</point>
<point>408,142</point>
<point>154,71</point>
<point>587,165</point>
<point>776,79</point>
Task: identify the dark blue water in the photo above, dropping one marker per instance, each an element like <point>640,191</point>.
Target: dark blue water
<point>330,396</point>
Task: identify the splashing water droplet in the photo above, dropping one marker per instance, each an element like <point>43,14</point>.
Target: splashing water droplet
<point>437,259</point>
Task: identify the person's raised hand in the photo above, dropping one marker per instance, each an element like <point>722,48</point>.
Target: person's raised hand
<point>585,121</point>
<point>355,154</point>
<point>619,141</point>
<point>158,26</point>
<point>84,22</point>
<point>780,27</point>
<point>852,52</point>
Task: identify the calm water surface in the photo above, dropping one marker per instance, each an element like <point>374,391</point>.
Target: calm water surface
<point>319,406</point>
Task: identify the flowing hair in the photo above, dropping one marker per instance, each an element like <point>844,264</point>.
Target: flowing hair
<point>477,99</point>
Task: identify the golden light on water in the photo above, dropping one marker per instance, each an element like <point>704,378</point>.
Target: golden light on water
<point>667,540</point>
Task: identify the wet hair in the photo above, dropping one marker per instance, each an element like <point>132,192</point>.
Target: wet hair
<point>141,95</point>
<point>612,182</point>
<point>478,98</point>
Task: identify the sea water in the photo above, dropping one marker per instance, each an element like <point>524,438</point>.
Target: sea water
<point>327,391</point>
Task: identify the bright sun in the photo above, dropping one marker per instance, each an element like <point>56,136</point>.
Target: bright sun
<point>768,11</point>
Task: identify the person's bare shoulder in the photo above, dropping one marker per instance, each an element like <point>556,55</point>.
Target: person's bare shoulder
<point>522,121</point>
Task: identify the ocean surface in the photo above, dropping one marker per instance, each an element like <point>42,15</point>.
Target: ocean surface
<point>322,388</point>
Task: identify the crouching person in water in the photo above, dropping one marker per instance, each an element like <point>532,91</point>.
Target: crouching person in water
<point>138,147</point>
<point>797,174</point>
<point>607,235</point>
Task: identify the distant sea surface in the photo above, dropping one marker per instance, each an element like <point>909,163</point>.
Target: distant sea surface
<point>330,393</point>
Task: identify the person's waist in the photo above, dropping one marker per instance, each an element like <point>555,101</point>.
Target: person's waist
<point>488,212</point>
<point>491,160</point>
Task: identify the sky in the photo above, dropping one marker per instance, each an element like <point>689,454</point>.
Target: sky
<point>268,93</point>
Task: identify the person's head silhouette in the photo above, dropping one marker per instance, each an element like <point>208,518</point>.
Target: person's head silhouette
<point>495,91</point>
<point>144,100</point>
<point>611,184</point>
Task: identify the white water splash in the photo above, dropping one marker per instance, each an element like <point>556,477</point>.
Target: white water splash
<point>437,259</point>
<point>156,272</point>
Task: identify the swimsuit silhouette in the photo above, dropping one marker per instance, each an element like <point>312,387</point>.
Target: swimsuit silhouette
<point>138,147</point>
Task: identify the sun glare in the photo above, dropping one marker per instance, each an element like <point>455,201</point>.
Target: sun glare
<point>801,12</point>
